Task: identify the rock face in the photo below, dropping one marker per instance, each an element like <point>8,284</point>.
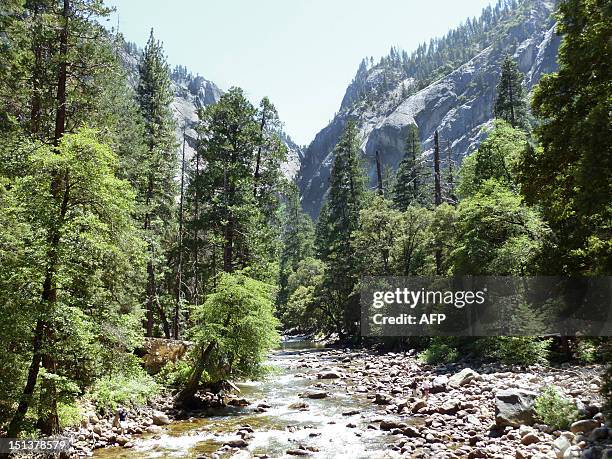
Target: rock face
<point>459,104</point>
<point>192,93</point>
<point>514,407</point>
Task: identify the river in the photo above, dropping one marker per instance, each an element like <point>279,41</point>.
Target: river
<point>322,428</point>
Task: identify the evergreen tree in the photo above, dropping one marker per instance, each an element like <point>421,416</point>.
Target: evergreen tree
<point>570,177</point>
<point>510,104</point>
<point>154,95</point>
<point>411,181</point>
<point>345,201</point>
<point>297,240</point>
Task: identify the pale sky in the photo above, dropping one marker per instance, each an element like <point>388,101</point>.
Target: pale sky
<point>302,54</point>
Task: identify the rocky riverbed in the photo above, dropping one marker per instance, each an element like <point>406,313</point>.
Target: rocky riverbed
<point>360,404</point>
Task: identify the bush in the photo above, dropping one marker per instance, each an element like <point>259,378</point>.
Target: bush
<point>69,414</point>
<point>554,410</point>
<point>174,374</point>
<point>438,352</point>
<point>128,390</point>
<point>522,350</point>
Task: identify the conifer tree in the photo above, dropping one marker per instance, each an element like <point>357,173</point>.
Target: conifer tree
<point>510,104</point>
<point>346,194</point>
<point>411,181</point>
<point>154,96</point>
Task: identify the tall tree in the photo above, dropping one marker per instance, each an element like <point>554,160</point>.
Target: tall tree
<point>297,240</point>
<point>571,175</point>
<point>345,200</point>
<point>411,181</point>
<point>154,96</point>
<point>510,104</point>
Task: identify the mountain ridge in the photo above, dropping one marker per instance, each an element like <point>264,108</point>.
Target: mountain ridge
<point>387,97</point>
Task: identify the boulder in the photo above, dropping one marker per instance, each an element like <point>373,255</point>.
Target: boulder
<point>154,429</point>
<point>238,402</point>
<point>236,443</point>
<point>530,439</point>
<point>439,384</point>
<point>382,399</point>
<point>560,445</point>
<point>121,440</point>
<point>390,424</point>
<point>160,419</point>
<point>332,374</point>
<point>462,378</point>
<point>298,406</point>
<point>315,394</point>
<point>584,426</point>
<point>514,407</point>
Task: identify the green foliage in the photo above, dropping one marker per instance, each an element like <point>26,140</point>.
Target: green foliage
<point>237,321</point>
<point>413,179</point>
<point>570,176</point>
<point>304,309</point>
<point>522,350</point>
<point>554,410</point>
<point>510,104</point>
<point>439,350</point>
<point>70,414</point>
<point>133,390</point>
<point>335,231</point>
<point>174,374</point>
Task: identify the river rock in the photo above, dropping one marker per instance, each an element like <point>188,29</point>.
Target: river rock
<point>439,384</point>
<point>382,399</point>
<point>560,445</point>
<point>154,429</point>
<point>462,378</point>
<point>238,402</point>
<point>390,424</point>
<point>315,394</point>
<point>236,443</point>
<point>599,433</point>
<point>332,374</point>
<point>416,406</point>
<point>121,440</point>
<point>514,407</point>
<point>584,426</point>
<point>530,439</point>
<point>160,419</point>
<point>298,406</point>
<point>297,452</point>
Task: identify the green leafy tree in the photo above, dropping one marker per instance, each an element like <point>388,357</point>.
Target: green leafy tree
<point>84,240</point>
<point>235,329</point>
<point>411,252</point>
<point>570,176</point>
<point>510,104</point>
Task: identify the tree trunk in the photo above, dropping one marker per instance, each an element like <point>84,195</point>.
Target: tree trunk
<point>192,386</point>
<point>28,391</point>
<point>379,176</point>
<point>438,194</point>
<point>179,274</point>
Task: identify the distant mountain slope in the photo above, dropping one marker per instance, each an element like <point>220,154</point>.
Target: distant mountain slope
<point>448,85</point>
<point>192,93</point>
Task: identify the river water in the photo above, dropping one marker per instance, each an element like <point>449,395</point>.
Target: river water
<point>279,429</point>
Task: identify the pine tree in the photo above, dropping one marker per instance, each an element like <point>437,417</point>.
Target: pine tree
<point>297,240</point>
<point>346,194</point>
<point>154,96</point>
<point>510,104</point>
<point>411,181</point>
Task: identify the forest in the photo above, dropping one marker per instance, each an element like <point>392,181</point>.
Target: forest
<point>109,238</point>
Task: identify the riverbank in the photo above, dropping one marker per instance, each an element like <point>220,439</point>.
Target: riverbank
<point>357,403</point>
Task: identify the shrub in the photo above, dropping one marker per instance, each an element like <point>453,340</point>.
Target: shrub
<point>438,352</point>
<point>522,350</point>
<point>174,374</point>
<point>128,390</point>
<point>69,414</point>
<point>554,410</point>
